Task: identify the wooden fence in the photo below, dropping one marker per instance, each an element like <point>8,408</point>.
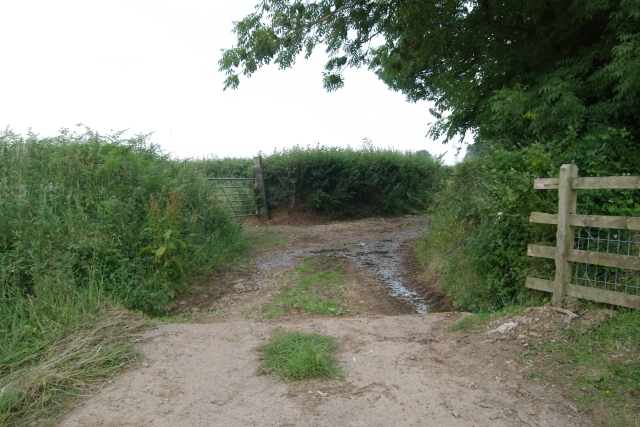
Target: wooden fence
<point>565,253</point>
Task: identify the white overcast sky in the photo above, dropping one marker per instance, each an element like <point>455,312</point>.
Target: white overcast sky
<point>152,66</point>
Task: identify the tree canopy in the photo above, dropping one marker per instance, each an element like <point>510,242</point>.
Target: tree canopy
<point>517,71</point>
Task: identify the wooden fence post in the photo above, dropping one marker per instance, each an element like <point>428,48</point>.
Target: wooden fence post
<point>568,199</point>
<point>257,168</point>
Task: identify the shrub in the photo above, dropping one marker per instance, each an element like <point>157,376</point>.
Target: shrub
<point>342,182</point>
<point>84,209</point>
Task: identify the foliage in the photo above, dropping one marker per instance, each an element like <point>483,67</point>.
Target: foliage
<point>537,83</point>
<point>520,71</point>
<point>342,182</point>
<point>84,219</point>
<point>348,182</point>
<point>164,231</point>
<point>296,356</point>
<point>84,208</point>
<point>214,167</point>
<point>481,228</point>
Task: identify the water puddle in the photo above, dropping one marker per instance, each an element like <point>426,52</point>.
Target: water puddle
<point>381,257</point>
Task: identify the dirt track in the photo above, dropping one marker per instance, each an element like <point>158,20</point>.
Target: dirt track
<point>400,368</point>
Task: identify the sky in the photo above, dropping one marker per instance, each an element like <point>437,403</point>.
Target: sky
<point>152,66</point>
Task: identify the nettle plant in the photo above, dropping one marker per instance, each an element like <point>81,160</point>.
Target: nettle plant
<point>163,229</point>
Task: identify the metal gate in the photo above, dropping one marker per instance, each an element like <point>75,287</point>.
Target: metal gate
<point>238,195</point>
<point>241,195</point>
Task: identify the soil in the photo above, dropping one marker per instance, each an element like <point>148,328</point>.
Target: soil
<point>401,368</point>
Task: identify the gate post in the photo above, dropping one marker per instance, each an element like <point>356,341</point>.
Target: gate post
<point>257,168</point>
<point>568,199</point>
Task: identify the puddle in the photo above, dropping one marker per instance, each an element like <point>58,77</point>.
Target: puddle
<point>381,257</point>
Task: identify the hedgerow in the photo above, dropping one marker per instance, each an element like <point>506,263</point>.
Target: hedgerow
<point>343,182</point>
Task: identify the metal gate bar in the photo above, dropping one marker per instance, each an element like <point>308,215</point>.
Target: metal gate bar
<point>243,202</point>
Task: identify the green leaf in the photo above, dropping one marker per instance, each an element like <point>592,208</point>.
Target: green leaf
<point>160,251</point>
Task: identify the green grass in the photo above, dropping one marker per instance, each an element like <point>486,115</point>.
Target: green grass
<point>318,289</point>
<point>600,369</point>
<point>471,322</point>
<point>295,356</point>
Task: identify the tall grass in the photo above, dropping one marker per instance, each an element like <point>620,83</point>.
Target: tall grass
<point>87,223</point>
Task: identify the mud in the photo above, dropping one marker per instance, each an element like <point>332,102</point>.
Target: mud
<point>400,369</point>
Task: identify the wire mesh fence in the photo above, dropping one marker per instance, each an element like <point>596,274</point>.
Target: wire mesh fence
<point>611,241</point>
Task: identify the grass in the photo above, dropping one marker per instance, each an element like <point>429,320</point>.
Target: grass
<point>471,323</point>
<point>294,356</point>
<point>600,369</point>
<point>45,379</point>
<point>262,237</point>
<point>478,320</point>
<point>318,289</point>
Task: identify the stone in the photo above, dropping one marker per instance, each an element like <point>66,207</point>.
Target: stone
<point>505,328</point>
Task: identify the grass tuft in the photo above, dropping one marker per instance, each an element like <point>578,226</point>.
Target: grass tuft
<point>477,320</point>
<point>295,356</point>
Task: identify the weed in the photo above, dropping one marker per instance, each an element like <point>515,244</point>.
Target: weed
<point>40,382</point>
<point>475,321</point>
<point>295,356</point>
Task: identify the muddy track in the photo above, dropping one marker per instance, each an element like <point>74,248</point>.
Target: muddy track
<point>401,367</point>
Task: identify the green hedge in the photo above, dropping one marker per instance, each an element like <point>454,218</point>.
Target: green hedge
<point>87,210</point>
<point>342,182</point>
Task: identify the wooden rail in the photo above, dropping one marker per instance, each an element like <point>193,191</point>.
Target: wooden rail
<point>564,253</point>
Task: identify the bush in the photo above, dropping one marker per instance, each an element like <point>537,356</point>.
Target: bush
<point>88,210</point>
<point>342,182</point>
<point>481,227</point>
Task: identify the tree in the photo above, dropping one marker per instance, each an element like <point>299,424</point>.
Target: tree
<point>514,72</point>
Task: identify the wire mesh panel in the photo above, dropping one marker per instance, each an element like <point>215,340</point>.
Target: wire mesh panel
<point>611,241</point>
